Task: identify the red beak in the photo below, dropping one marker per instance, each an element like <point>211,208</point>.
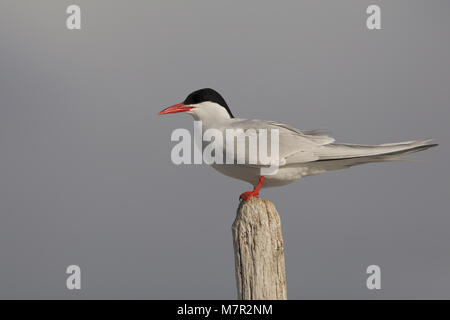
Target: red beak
<point>175,109</point>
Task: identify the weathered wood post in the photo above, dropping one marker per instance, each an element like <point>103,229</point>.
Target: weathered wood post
<point>259,251</point>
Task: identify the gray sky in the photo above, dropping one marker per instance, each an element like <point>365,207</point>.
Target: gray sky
<point>85,170</point>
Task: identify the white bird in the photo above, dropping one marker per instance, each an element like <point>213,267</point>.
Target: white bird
<point>301,153</point>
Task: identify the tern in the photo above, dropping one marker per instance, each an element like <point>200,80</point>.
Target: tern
<point>301,153</point>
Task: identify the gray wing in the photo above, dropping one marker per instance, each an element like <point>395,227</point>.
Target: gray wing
<point>295,146</point>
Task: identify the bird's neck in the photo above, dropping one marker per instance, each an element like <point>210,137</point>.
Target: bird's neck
<point>212,118</point>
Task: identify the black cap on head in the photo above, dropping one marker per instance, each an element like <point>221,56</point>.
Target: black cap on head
<point>204,95</point>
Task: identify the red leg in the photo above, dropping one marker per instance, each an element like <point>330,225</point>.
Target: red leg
<point>248,194</point>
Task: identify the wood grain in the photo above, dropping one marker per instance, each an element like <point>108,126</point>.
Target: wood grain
<point>259,251</point>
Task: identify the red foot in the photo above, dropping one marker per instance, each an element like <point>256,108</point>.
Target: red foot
<point>248,194</point>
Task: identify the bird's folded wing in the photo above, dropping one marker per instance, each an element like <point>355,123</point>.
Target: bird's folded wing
<point>295,146</point>
<point>319,136</point>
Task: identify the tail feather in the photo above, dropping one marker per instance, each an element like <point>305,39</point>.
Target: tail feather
<point>335,151</point>
<point>383,155</point>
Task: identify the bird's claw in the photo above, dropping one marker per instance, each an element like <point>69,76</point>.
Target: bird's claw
<point>248,194</point>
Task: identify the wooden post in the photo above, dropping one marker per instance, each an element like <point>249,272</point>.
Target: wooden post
<point>259,252</point>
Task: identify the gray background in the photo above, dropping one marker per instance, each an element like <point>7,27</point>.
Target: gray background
<point>85,170</point>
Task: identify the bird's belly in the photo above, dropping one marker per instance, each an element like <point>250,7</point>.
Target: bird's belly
<point>241,172</point>
<point>285,175</point>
